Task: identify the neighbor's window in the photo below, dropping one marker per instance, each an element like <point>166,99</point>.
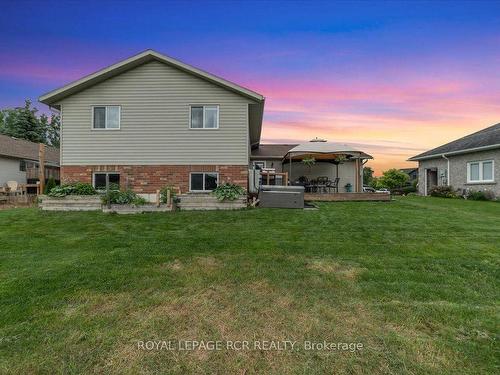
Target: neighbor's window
<point>22,165</point>
<point>106,117</point>
<point>480,171</point>
<point>203,181</point>
<point>204,117</point>
<point>104,179</point>
<point>259,164</point>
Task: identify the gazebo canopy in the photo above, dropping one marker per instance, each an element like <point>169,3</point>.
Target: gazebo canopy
<point>322,150</point>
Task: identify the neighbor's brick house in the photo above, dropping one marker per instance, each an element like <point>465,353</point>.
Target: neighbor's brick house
<point>152,121</point>
<point>468,163</point>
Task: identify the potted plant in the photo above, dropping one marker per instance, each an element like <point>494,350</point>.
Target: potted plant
<point>348,187</point>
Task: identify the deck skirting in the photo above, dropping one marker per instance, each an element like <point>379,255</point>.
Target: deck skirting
<point>347,197</point>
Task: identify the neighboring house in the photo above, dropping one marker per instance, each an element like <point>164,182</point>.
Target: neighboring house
<point>411,172</point>
<point>469,163</point>
<point>151,121</point>
<point>19,161</point>
<point>270,155</point>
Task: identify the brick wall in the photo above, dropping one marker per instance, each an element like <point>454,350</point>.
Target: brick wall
<point>149,178</point>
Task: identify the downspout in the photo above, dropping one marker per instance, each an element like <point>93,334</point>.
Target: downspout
<point>447,170</point>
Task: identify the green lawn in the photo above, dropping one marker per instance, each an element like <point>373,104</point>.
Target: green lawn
<point>415,281</point>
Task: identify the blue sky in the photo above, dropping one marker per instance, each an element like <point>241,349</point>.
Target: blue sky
<point>384,75</point>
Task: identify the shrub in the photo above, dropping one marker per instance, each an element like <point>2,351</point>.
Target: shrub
<point>123,197</point>
<point>409,189</point>
<point>228,192</point>
<point>404,190</point>
<point>392,179</point>
<point>51,183</point>
<point>78,188</point>
<point>164,193</point>
<point>486,195</point>
<point>83,189</point>
<point>443,192</point>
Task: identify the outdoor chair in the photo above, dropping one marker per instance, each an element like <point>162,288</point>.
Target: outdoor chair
<point>311,186</point>
<point>322,184</point>
<point>333,185</point>
<point>301,181</point>
<point>3,194</point>
<point>14,188</point>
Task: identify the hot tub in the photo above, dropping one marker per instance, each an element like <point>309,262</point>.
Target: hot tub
<point>275,196</point>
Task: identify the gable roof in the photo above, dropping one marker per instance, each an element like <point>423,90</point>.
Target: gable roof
<point>23,149</point>
<point>485,139</point>
<point>52,97</point>
<point>255,111</point>
<point>271,151</point>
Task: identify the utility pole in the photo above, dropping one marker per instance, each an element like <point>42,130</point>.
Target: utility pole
<point>41,167</point>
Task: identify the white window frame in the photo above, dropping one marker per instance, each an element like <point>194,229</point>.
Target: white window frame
<point>204,107</point>
<point>203,173</point>
<point>107,178</point>
<point>106,117</point>
<point>480,163</point>
<point>254,163</point>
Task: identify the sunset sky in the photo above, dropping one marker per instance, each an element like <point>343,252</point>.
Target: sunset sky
<point>392,78</point>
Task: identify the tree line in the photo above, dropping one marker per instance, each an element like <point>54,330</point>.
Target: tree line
<point>390,179</point>
<point>24,123</point>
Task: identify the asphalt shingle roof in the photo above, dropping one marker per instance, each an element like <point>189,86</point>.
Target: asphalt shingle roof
<point>22,149</point>
<point>272,151</point>
<point>486,137</point>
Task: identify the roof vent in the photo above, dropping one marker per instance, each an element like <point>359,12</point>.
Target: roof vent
<point>316,139</point>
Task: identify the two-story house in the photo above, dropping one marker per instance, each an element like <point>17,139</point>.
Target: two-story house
<point>151,121</point>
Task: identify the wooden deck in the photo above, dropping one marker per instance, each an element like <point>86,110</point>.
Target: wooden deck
<point>338,197</point>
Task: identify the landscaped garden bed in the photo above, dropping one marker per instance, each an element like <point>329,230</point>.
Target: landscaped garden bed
<point>137,209</point>
<point>70,203</point>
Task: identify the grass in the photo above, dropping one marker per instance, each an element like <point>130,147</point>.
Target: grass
<point>415,281</point>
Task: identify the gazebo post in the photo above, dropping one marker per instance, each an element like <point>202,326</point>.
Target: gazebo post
<point>290,168</point>
<point>358,171</point>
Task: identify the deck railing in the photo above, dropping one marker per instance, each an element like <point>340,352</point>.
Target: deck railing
<point>32,173</point>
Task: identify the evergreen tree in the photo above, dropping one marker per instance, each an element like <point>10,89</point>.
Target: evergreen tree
<point>52,131</point>
<point>23,123</point>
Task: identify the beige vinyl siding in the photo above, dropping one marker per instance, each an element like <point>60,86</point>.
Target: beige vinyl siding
<point>155,104</point>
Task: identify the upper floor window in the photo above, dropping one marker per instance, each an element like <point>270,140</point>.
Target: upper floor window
<point>22,165</point>
<point>106,117</point>
<point>204,117</point>
<point>480,171</point>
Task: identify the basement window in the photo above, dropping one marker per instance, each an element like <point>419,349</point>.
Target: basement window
<point>102,180</point>
<point>203,181</point>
